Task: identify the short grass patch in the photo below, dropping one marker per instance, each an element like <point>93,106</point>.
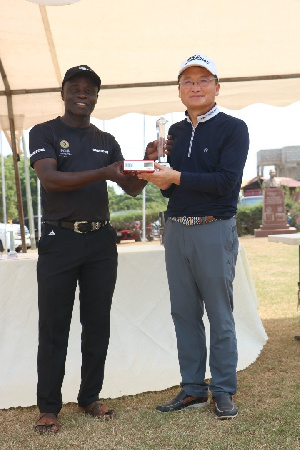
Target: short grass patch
<point>267,397</point>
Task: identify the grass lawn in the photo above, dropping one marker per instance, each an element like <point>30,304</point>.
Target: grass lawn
<point>267,397</point>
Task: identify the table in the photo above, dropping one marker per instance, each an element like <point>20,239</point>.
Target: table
<point>142,353</point>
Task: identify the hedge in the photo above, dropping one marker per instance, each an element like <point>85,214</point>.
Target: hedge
<point>126,220</point>
<point>248,219</point>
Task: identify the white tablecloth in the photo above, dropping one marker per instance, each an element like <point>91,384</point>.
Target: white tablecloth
<point>142,354</point>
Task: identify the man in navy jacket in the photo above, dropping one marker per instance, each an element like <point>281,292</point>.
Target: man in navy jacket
<point>203,182</point>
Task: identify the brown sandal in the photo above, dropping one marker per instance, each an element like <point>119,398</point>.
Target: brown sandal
<point>47,423</point>
<point>99,410</point>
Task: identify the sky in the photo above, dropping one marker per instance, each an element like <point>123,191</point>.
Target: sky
<point>270,127</point>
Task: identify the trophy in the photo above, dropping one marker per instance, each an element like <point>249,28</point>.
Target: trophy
<point>148,165</point>
<point>160,131</point>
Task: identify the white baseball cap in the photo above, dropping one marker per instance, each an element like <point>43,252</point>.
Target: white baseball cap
<point>199,60</point>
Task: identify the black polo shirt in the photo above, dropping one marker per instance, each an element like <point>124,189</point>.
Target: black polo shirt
<point>75,150</point>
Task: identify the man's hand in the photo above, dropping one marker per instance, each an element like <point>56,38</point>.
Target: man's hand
<point>151,149</point>
<point>129,182</point>
<point>163,177</point>
<point>168,145</point>
<point>115,173</point>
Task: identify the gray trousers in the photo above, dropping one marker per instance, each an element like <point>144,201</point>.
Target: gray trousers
<point>200,262</point>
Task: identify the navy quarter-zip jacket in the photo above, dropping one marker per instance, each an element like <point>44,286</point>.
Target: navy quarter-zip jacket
<point>211,158</point>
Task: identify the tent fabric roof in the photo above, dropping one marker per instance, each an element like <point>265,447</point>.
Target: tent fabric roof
<point>141,43</point>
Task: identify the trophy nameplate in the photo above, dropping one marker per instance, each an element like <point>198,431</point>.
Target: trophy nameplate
<point>138,166</point>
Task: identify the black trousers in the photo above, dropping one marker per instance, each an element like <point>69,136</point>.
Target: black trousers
<point>65,259</point>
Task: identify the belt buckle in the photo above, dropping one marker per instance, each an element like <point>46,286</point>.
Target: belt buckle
<point>77,223</point>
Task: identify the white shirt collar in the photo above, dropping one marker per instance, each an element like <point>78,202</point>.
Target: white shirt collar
<point>204,117</point>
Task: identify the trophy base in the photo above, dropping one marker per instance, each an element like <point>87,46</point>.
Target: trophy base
<point>138,166</point>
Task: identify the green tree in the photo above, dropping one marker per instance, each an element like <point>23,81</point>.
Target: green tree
<point>155,202</point>
<point>10,189</point>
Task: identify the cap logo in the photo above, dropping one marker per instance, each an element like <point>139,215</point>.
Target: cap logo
<point>196,57</point>
<point>83,68</point>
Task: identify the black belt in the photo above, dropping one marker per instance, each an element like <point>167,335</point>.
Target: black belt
<point>79,226</point>
<point>187,220</point>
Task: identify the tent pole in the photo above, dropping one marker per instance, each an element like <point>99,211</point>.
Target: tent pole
<point>144,190</point>
<point>28,196</point>
<point>156,84</point>
<point>3,194</point>
<point>15,153</point>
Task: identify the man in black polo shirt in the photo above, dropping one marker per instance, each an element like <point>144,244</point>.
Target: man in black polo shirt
<point>73,159</point>
<point>207,160</point>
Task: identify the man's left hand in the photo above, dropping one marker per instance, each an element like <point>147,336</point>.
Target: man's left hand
<point>163,177</point>
<point>151,149</point>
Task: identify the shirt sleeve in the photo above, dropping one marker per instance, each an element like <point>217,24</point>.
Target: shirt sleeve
<point>168,192</point>
<point>41,143</point>
<point>116,151</point>
<point>229,169</point>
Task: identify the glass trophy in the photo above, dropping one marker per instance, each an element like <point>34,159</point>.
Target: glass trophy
<point>160,131</point>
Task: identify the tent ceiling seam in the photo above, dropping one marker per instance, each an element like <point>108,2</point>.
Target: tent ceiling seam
<point>50,40</point>
<point>157,84</point>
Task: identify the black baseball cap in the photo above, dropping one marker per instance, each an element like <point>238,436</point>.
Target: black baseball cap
<point>82,70</point>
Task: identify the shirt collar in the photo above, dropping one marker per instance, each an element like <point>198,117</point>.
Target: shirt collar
<point>204,117</point>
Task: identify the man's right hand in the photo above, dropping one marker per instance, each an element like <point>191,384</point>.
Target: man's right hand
<point>114,172</point>
<point>129,182</point>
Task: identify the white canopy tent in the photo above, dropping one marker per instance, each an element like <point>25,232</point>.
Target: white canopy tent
<point>141,44</point>
<point>136,47</point>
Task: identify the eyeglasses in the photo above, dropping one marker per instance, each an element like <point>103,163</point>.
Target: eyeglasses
<point>203,83</point>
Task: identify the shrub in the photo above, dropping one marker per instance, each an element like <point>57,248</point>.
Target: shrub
<point>127,220</point>
<point>294,211</point>
<point>248,219</point>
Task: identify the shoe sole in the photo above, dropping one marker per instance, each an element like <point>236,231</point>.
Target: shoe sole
<point>199,405</point>
<point>196,405</point>
<point>226,417</point>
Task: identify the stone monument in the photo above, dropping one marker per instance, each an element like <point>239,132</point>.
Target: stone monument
<point>274,219</point>
<point>272,182</point>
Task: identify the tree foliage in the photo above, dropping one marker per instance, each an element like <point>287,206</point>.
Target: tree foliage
<point>10,189</point>
<point>155,202</point>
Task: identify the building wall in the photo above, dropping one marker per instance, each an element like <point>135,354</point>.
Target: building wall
<point>286,161</point>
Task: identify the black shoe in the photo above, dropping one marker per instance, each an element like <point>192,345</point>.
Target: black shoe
<point>183,400</point>
<point>224,406</point>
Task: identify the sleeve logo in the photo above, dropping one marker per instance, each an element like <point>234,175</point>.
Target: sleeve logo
<point>37,151</point>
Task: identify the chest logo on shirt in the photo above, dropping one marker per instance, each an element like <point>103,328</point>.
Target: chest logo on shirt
<point>65,152</point>
<point>64,149</point>
<point>64,144</point>
<point>205,150</point>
